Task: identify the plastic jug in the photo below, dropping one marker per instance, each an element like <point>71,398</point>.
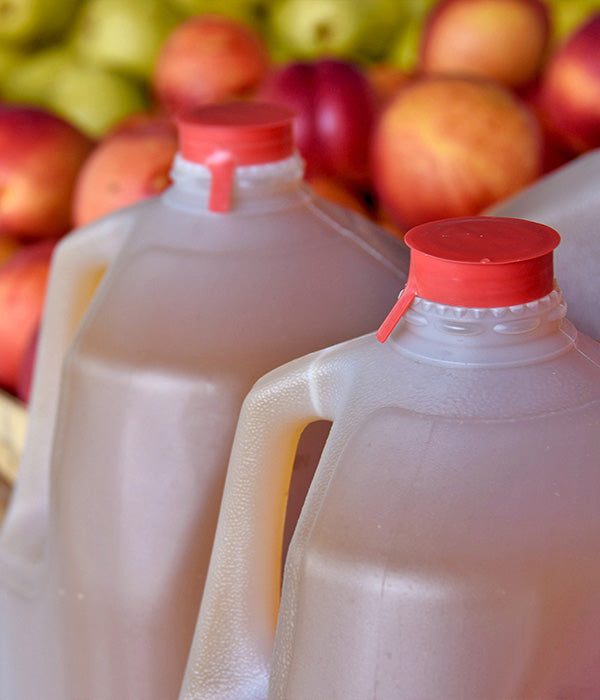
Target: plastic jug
<point>449,545</point>
<point>568,199</point>
<point>235,269</point>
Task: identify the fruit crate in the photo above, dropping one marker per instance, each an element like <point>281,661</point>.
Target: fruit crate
<point>13,423</point>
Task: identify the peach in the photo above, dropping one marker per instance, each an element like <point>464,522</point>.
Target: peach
<point>448,146</point>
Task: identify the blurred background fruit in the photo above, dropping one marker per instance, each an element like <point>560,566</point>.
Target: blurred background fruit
<point>23,279</point>
<point>28,22</point>
<point>407,109</point>
<point>129,165</point>
<point>451,146</point>
<point>570,88</point>
<point>208,58</point>
<point>123,35</point>
<point>336,107</point>
<point>505,40</point>
<point>40,158</point>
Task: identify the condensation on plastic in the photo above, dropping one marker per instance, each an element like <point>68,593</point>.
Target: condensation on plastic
<point>449,544</point>
<point>568,199</point>
<point>104,548</point>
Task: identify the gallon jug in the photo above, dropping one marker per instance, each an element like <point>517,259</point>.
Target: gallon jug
<point>235,269</point>
<point>568,199</point>
<point>449,544</point>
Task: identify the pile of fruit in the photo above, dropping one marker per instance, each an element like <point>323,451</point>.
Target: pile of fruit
<point>408,110</point>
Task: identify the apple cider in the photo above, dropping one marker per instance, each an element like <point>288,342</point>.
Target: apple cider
<point>235,269</point>
<point>449,545</point>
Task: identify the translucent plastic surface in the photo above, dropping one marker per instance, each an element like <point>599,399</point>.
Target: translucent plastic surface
<point>449,546</point>
<point>104,550</point>
<point>568,199</point>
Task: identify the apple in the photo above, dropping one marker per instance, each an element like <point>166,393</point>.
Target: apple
<point>336,107</point>
<point>22,388</point>
<point>340,193</point>
<point>40,157</point>
<point>251,12</point>
<point>356,30</point>
<point>23,280</point>
<point>10,58</point>
<point>554,152</point>
<point>450,146</point>
<point>94,99</point>
<point>570,88</point>
<point>386,79</point>
<point>123,35</point>
<point>208,58</point>
<point>567,16</point>
<point>505,40</point>
<point>31,79</point>
<point>306,31</point>
<point>130,164</point>
<point>403,49</point>
<point>8,246</point>
<point>34,22</point>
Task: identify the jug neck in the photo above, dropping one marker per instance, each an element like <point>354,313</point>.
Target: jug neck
<point>503,336</point>
<point>255,188</point>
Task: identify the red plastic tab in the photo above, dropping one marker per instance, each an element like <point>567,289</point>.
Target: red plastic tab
<point>227,135</point>
<point>477,262</point>
<point>221,166</point>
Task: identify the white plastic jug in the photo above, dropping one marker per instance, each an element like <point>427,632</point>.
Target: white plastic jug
<point>568,199</point>
<point>449,545</point>
<point>235,269</point>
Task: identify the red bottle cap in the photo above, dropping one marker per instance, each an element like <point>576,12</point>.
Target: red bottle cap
<point>477,262</point>
<point>226,135</point>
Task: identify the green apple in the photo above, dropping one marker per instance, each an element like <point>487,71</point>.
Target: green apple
<point>32,21</point>
<point>301,29</point>
<point>94,99</point>
<point>31,79</point>
<point>567,15</point>
<point>403,49</point>
<point>252,12</point>
<point>381,21</point>
<point>123,35</point>
<point>10,58</point>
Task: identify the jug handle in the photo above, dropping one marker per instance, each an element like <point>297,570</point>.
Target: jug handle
<point>78,263</point>
<point>233,641</point>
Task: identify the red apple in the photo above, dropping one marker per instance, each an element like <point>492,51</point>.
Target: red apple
<point>336,107</point>
<point>449,146</point>
<point>24,380</point>
<point>129,165</point>
<point>570,88</point>
<point>208,58</point>
<point>40,157</point>
<point>554,152</point>
<point>505,40</point>
<point>23,279</point>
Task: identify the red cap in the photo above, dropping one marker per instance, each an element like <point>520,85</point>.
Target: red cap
<point>477,262</point>
<point>226,135</point>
